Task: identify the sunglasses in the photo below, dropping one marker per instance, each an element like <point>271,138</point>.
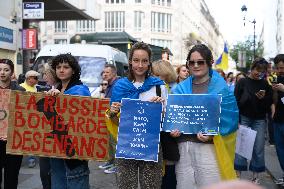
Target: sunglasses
<point>192,63</point>
<point>103,84</point>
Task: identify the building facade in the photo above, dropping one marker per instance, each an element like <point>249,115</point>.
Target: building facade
<point>10,32</point>
<point>175,24</point>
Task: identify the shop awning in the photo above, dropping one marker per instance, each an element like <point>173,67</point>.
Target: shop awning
<point>62,10</point>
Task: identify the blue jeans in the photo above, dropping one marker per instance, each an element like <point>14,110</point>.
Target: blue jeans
<point>279,142</point>
<point>44,167</point>
<point>257,163</point>
<point>64,178</point>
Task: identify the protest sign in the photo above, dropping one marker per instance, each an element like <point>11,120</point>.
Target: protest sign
<point>193,113</point>
<point>245,141</point>
<point>4,112</point>
<point>64,126</point>
<point>139,130</point>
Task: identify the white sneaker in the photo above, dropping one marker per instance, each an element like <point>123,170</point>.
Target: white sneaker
<point>111,170</point>
<point>106,165</point>
<point>255,181</point>
<point>279,181</point>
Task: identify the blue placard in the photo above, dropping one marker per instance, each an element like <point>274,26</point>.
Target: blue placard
<point>139,130</point>
<point>191,114</point>
<point>6,35</point>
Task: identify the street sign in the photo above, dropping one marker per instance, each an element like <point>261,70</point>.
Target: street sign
<point>33,10</point>
<point>6,35</point>
<point>29,39</point>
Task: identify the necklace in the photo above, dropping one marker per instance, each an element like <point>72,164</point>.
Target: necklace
<point>202,82</point>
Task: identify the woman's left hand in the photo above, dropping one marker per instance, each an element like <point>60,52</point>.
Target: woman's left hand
<point>157,99</point>
<point>204,138</point>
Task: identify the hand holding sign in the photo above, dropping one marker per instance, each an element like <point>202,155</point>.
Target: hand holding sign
<point>192,114</point>
<point>139,130</point>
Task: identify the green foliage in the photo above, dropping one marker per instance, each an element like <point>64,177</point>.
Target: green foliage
<point>247,47</point>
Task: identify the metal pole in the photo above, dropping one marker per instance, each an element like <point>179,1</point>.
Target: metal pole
<point>254,38</point>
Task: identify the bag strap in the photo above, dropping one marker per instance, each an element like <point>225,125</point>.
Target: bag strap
<point>158,90</point>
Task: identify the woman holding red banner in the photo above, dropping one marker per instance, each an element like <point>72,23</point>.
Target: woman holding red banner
<point>138,85</point>
<point>68,174</point>
<point>206,159</point>
<point>10,163</point>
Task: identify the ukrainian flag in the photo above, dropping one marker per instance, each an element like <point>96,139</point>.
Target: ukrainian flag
<point>223,62</point>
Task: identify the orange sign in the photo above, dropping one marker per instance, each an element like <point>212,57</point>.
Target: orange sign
<point>4,112</point>
<point>64,126</point>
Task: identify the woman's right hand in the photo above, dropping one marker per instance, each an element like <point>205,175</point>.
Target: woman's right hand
<point>175,133</point>
<point>53,92</point>
<point>115,107</point>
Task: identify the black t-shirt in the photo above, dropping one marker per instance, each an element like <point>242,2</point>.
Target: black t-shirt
<point>279,109</point>
<point>248,103</point>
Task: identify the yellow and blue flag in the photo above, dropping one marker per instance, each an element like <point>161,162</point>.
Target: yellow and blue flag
<point>223,61</point>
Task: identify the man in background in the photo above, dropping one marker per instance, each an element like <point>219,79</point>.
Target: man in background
<point>110,74</point>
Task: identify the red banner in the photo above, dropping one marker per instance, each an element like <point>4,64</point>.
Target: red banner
<point>64,126</point>
<point>29,39</point>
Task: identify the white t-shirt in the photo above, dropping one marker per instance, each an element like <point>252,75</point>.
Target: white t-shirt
<point>147,95</point>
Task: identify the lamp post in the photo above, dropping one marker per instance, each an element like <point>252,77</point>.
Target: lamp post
<point>244,10</point>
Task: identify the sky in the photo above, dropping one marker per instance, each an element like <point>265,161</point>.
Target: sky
<point>229,17</point>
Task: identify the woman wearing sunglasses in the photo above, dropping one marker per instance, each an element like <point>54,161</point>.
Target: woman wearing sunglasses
<point>198,164</point>
<point>10,163</point>
<point>254,97</point>
<point>100,91</point>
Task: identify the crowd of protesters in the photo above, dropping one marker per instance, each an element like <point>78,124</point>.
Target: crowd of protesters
<point>184,160</point>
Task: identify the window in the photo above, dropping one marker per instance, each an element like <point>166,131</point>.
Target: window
<point>60,26</point>
<point>161,2</point>
<point>161,43</point>
<point>115,1</point>
<point>168,3</point>
<point>114,21</point>
<point>138,20</point>
<point>60,41</point>
<point>161,22</point>
<point>85,25</point>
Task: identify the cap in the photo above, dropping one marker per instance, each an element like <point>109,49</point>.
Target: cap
<point>32,73</point>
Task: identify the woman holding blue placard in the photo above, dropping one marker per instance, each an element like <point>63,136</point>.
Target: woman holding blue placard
<point>138,85</point>
<point>206,159</point>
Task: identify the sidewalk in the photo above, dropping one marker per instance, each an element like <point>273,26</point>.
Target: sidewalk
<point>272,163</point>
<point>30,178</point>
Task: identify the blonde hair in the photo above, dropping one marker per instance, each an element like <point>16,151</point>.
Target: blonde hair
<point>49,71</point>
<point>165,69</point>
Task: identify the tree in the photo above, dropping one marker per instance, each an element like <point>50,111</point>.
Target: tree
<point>247,48</point>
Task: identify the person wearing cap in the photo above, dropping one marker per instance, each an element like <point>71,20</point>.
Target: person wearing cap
<point>31,81</point>
<point>30,86</point>
<point>254,97</point>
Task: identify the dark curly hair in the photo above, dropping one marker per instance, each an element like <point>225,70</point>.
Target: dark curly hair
<point>139,46</point>
<point>204,51</point>
<point>71,60</point>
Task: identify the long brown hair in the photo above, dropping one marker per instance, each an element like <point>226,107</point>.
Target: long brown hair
<point>139,46</point>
